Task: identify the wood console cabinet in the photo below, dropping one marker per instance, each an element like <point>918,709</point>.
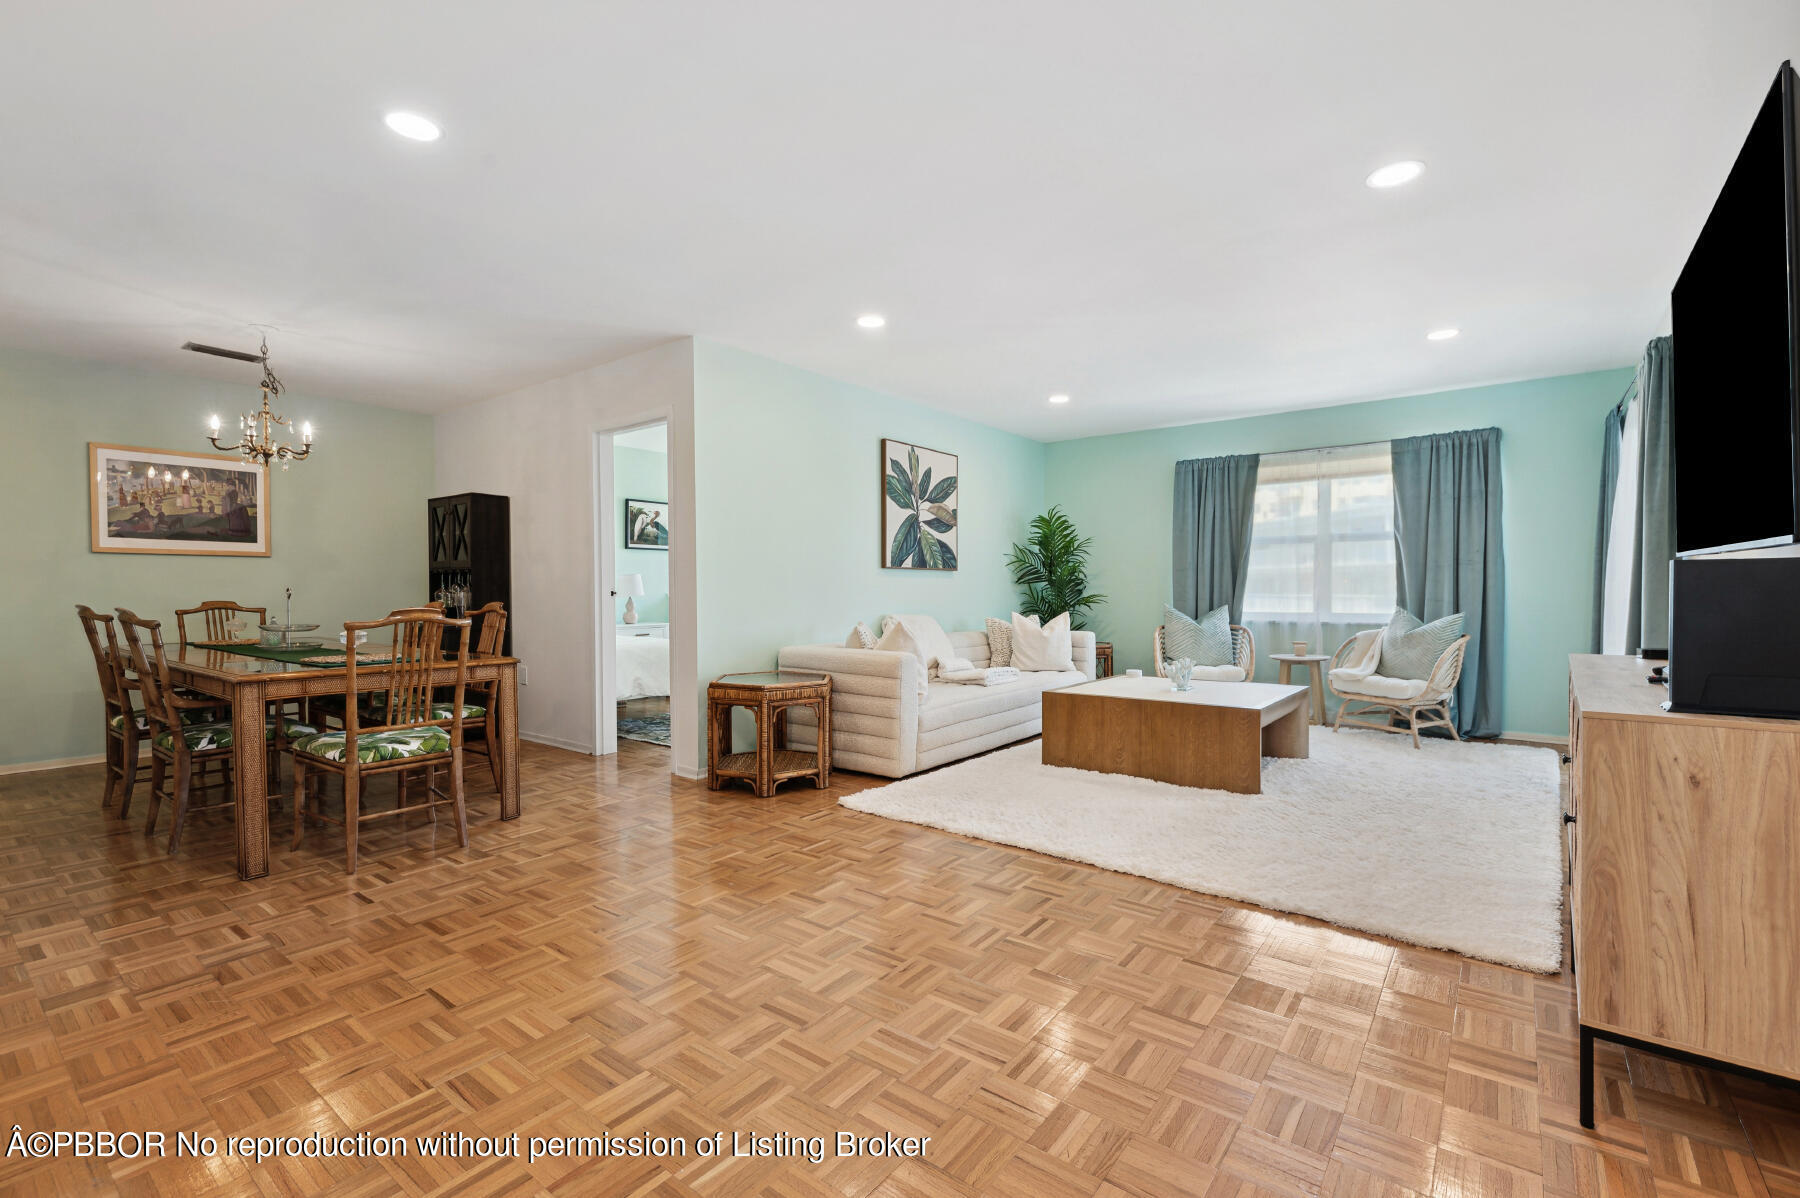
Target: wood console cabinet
<point>1685,859</point>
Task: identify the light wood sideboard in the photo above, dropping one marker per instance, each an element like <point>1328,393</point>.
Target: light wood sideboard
<point>1685,862</point>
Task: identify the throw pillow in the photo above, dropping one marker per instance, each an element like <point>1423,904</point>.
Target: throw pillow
<point>1042,646</point>
<point>899,639</point>
<point>1205,642</point>
<point>1409,648</point>
<point>861,637</point>
<point>932,638</point>
<point>999,642</point>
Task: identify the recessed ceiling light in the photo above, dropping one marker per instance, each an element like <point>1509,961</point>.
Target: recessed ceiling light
<point>1059,399</point>
<point>414,126</point>
<point>1442,334</point>
<point>871,320</point>
<point>1395,173</point>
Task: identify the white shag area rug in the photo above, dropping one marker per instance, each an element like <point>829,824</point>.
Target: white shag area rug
<point>1452,846</point>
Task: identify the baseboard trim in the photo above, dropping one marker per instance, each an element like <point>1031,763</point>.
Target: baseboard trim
<point>55,763</point>
<point>1534,738</point>
<point>688,772</point>
<point>556,742</point>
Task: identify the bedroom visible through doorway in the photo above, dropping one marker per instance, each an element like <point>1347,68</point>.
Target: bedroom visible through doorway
<point>641,583</point>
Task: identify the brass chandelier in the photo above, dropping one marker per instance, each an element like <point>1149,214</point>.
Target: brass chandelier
<point>257,431</point>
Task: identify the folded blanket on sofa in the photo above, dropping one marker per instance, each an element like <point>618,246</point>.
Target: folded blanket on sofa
<point>992,676</point>
<point>1361,660</point>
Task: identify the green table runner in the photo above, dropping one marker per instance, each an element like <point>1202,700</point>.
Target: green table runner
<point>299,657</point>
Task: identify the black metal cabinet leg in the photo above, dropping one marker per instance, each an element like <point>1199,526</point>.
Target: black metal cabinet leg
<point>1587,1077</point>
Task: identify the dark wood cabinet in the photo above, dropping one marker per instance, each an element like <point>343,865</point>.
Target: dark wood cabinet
<point>469,543</point>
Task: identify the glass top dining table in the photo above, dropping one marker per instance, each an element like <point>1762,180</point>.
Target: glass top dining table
<point>247,677</point>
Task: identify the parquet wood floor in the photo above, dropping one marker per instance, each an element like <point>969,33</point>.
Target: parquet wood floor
<point>637,954</point>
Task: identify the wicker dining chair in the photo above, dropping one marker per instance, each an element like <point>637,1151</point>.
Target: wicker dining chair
<point>1433,702</point>
<point>411,736</point>
<point>478,711</point>
<point>125,725</point>
<point>328,710</point>
<point>180,748</point>
<point>216,616</point>
<point>1243,651</point>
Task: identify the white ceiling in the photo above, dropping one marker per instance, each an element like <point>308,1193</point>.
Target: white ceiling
<point>1156,207</point>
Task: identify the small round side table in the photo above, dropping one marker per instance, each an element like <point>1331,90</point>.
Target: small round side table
<point>1314,665</point>
<point>768,694</point>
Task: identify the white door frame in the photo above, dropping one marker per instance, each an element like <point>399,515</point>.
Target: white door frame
<point>606,537</point>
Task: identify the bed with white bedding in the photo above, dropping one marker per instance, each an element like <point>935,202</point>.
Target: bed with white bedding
<point>642,665</point>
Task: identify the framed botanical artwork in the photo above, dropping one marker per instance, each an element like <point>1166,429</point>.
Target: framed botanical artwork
<point>157,501</point>
<point>647,524</point>
<point>919,491</point>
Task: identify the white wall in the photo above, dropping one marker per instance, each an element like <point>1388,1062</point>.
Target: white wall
<point>537,445</point>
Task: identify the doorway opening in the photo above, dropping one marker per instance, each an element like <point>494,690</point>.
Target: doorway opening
<point>637,604</point>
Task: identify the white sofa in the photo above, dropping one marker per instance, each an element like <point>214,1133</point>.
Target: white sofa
<point>881,725</point>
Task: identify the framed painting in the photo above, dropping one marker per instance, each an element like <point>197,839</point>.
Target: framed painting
<point>647,524</point>
<point>919,489</point>
<point>156,501</point>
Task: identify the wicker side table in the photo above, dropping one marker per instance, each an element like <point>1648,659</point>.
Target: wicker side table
<point>769,695</point>
<point>1103,666</point>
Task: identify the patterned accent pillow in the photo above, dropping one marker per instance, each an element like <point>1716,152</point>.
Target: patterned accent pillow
<point>999,642</point>
<point>861,637</point>
<point>1409,649</point>
<point>1206,641</point>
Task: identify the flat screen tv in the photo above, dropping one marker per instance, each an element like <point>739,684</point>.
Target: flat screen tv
<point>1735,390</point>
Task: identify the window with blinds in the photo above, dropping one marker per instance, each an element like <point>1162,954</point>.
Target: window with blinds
<point>1322,541</point>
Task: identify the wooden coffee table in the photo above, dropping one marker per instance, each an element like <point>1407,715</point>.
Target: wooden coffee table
<point>1213,736</point>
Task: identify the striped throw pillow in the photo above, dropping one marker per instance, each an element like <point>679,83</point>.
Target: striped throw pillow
<point>1205,642</point>
<point>1409,648</point>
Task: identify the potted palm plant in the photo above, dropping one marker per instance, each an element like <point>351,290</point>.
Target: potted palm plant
<point>1051,568</point>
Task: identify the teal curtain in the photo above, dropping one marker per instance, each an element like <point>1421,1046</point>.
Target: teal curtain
<point>1612,436</point>
<point>1648,626</point>
<point>1215,499</point>
<point>1448,555</point>
<point>1647,605</point>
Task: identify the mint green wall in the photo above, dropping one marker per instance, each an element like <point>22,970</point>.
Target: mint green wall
<point>788,508</point>
<point>347,527</point>
<point>641,474</point>
<point>1119,490</point>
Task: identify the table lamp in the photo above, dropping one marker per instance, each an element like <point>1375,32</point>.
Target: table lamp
<point>629,586</point>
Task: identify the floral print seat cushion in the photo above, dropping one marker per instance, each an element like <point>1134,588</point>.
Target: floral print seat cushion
<point>201,737</point>
<point>422,741</point>
<point>440,710</point>
<point>190,716</point>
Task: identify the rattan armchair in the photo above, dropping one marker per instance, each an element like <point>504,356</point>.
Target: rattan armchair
<point>1243,651</point>
<point>1433,702</point>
